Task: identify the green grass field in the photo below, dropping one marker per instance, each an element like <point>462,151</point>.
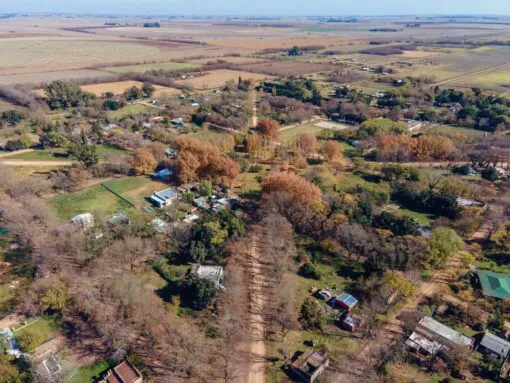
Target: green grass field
<point>58,154</point>
<point>131,109</point>
<point>99,199</point>
<point>288,136</point>
<point>88,374</point>
<point>48,326</point>
<point>142,68</point>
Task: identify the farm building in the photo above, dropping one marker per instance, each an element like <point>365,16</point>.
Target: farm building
<point>84,221</point>
<point>190,218</point>
<point>212,273</point>
<point>163,174</point>
<point>201,202</point>
<point>123,373</point>
<point>350,323</point>
<point>437,332</point>
<point>494,284</point>
<point>163,198</point>
<point>310,365</point>
<point>494,345</point>
<point>345,302</point>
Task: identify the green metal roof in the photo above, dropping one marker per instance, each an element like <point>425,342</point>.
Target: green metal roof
<point>494,284</point>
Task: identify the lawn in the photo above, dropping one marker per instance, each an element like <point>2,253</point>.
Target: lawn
<point>207,134</point>
<point>60,154</point>
<point>288,136</point>
<point>142,68</point>
<point>88,374</point>
<point>98,199</point>
<point>48,326</point>
<point>423,219</point>
<point>131,109</point>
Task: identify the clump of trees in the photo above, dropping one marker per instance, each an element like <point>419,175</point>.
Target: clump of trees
<point>200,160</point>
<point>294,186</point>
<point>62,95</point>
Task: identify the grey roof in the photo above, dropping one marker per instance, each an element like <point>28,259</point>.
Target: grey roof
<point>164,195</point>
<point>212,273</point>
<point>495,344</point>
<point>446,332</point>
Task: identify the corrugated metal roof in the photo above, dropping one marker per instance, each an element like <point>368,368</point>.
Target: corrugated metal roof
<point>495,344</point>
<point>446,332</point>
<point>347,299</point>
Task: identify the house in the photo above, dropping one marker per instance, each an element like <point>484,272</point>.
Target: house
<point>201,202</point>
<point>435,331</point>
<point>345,302</point>
<point>8,343</point>
<point>83,221</point>
<point>310,365</point>
<point>163,175</point>
<point>163,198</point>
<point>494,345</point>
<point>157,119</point>
<point>494,285</point>
<point>124,372</point>
<point>219,205</point>
<point>212,273</point>
<point>178,121</point>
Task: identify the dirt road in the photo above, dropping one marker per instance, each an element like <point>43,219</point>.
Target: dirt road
<point>16,152</point>
<point>256,373</point>
<point>34,163</point>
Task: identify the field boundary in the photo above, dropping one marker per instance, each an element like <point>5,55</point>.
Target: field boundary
<point>117,194</point>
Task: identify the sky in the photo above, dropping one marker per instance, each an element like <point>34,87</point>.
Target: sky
<point>261,7</point>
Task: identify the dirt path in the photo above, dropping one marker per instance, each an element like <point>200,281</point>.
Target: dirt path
<point>256,373</point>
<point>16,152</point>
<point>254,116</point>
<point>313,119</point>
<point>34,163</point>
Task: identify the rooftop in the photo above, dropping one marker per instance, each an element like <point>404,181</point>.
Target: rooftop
<point>347,299</point>
<point>310,361</point>
<point>417,341</point>
<point>440,329</point>
<point>212,273</point>
<point>123,373</point>
<point>495,344</point>
<point>494,284</point>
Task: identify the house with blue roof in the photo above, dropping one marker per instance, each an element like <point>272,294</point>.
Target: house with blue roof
<point>163,198</point>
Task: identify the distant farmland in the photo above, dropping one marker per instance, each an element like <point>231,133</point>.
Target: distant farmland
<point>142,68</point>
<point>285,68</point>
<point>219,77</point>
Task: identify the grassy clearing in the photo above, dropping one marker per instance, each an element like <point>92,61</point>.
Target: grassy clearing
<point>90,373</point>
<point>497,80</point>
<point>47,326</point>
<point>98,199</point>
<point>289,136</point>
<point>131,109</point>
<point>142,68</point>
<point>59,154</point>
<point>207,134</point>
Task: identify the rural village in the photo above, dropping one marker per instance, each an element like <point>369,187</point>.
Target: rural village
<point>254,200</point>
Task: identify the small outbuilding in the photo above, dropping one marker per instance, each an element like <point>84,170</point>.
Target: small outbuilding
<point>310,365</point>
<point>212,273</point>
<point>163,175</point>
<point>83,221</point>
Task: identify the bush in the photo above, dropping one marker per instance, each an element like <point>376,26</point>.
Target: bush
<point>13,145</point>
<point>308,271</point>
<point>312,315</point>
<point>490,174</point>
<point>30,339</point>
<point>198,292</point>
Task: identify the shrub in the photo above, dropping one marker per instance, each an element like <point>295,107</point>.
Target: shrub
<point>308,271</point>
<point>490,174</point>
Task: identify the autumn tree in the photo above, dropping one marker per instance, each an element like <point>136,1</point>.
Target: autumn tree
<point>269,129</point>
<point>307,144</point>
<point>332,150</point>
<point>143,161</point>
<point>302,191</point>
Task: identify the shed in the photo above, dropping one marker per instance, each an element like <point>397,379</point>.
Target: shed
<point>178,121</point>
<point>163,174</point>
<point>494,284</point>
<point>419,343</point>
<point>494,345</point>
<point>84,221</point>
<point>201,201</point>
<point>212,273</point>
<point>124,372</point>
